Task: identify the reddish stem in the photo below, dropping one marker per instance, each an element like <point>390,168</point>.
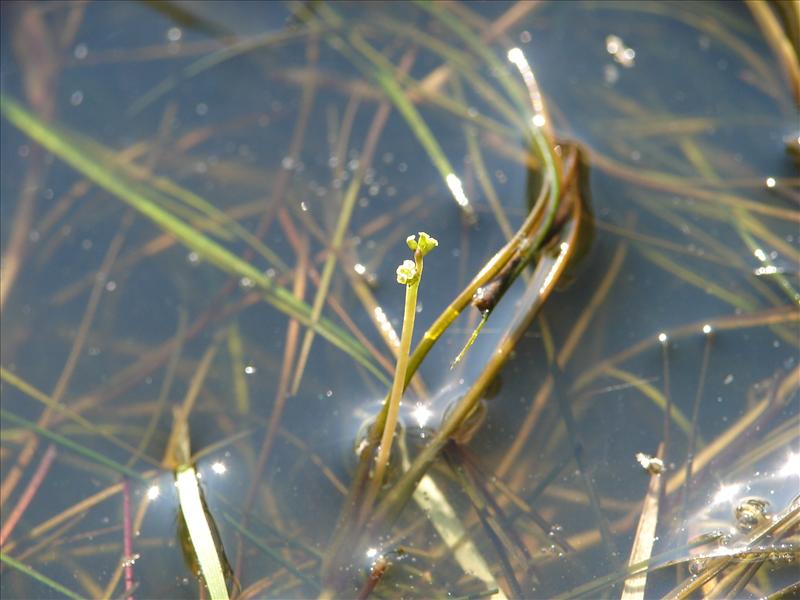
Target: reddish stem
<point>127,539</point>
<point>28,494</point>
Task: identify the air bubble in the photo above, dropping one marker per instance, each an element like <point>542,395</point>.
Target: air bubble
<point>174,34</point>
<point>81,51</point>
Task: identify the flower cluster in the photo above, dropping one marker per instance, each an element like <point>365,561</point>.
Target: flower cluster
<point>425,244</point>
<point>407,272</point>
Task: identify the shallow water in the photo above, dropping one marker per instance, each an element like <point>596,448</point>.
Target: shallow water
<point>683,119</point>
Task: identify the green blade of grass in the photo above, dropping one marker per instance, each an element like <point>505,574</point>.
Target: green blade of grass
<point>86,425</point>
<point>384,75</point>
<point>346,211</point>
<point>43,579</point>
<point>59,143</point>
<point>74,446</point>
<point>479,47</point>
<point>165,192</point>
<point>236,356</point>
<point>678,418</point>
<point>737,300</point>
<point>543,147</point>
<point>383,72</point>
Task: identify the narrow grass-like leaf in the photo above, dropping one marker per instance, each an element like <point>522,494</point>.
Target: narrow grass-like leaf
<point>381,70</point>
<point>236,355</point>
<point>737,300</point>
<point>680,420</point>
<point>59,142</point>
<point>74,446</point>
<point>84,423</point>
<point>43,579</point>
<point>383,73</point>
<point>541,145</point>
<point>165,192</point>
<point>342,223</point>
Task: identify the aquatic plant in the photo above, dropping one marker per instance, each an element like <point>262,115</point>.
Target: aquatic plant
<point>216,229</point>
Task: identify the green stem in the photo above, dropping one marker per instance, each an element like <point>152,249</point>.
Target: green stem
<point>398,385</point>
<point>43,579</point>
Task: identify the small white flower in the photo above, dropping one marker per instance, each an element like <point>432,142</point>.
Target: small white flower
<point>407,272</point>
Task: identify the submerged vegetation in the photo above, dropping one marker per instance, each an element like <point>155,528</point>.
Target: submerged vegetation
<point>602,396</point>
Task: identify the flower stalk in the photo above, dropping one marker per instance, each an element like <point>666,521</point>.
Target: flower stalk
<point>409,273</point>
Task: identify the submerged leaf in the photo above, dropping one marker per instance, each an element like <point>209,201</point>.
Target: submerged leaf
<point>86,160</point>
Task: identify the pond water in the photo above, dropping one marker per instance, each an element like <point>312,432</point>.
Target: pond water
<point>187,186</point>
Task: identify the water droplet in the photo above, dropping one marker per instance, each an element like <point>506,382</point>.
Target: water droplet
<point>81,51</point>
<point>174,34</point>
